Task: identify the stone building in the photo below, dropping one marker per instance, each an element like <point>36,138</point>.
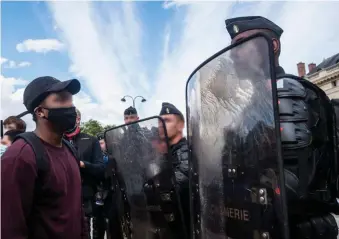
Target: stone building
<point>325,75</point>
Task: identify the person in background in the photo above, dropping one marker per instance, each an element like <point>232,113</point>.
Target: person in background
<point>130,115</point>
<point>103,147</point>
<point>102,199</point>
<point>55,210</point>
<point>14,123</point>
<point>9,136</point>
<point>108,186</point>
<point>91,164</point>
<point>2,149</point>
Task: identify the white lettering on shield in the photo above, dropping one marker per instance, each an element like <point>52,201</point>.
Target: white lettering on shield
<point>232,213</point>
<point>239,214</point>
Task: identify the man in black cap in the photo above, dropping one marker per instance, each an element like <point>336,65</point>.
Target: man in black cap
<point>175,123</point>
<point>44,203</point>
<point>243,27</point>
<point>130,115</point>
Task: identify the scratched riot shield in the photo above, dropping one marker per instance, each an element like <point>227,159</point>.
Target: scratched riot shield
<point>233,133</point>
<point>151,204</point>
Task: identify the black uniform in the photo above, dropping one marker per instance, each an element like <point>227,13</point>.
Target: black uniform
<point>306,120</point>
<point>180,157</point>
<point>180,154</point>
<point>89,152</point>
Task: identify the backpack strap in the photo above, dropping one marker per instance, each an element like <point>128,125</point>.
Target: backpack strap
<point>72,149</point>
<point>42,163</point>
<point>41,156</point>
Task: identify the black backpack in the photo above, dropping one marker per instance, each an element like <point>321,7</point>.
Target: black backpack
<point>41,157</point>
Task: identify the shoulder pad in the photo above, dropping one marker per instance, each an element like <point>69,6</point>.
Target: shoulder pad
<point>290,87</point>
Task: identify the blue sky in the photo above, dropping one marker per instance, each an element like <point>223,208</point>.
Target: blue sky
<point>35,21</point>
<point>141,48</point>
<point>32,21</point>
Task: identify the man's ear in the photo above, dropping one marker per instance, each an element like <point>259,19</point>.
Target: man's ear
<point>40,112</point>
<point>276,45</point>
<point>181,125</point>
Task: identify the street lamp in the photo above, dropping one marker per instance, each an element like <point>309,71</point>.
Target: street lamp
<point>123,99</point>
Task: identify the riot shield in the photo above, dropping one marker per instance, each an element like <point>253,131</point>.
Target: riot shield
<point>236,180</point>
<point>151,204</point>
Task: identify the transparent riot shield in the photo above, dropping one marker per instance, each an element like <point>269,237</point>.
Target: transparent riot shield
<point>150,206</point>
<point>233,133</point>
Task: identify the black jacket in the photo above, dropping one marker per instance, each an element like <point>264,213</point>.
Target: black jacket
<point>180,157</point>
<point>89,152</point>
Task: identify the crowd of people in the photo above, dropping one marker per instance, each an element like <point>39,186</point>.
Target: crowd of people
<point>71,198</point>
<point>56,180</point>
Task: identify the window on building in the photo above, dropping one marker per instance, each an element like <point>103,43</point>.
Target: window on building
<point>334,83</point>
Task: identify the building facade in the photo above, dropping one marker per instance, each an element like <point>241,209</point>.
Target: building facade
<point>325,75</point>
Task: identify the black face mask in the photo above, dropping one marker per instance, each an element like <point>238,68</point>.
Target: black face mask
<point>63,118</point>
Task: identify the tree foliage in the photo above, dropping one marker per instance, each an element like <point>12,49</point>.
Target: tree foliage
<point>109,126</point>
<point>94,127</point>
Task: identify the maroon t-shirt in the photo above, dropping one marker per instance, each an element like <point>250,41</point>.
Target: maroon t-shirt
<point>58,213</point>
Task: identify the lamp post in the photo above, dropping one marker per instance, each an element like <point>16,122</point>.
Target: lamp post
<point>123,99</point>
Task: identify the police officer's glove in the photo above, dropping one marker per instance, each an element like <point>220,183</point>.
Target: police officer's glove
<point>315,227</point>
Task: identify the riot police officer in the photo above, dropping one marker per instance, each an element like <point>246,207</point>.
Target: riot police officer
<point>147,196</point>
<point>130,115</point>
<point>306,121</point>
<point>243,27</point>
<point>175,123</point>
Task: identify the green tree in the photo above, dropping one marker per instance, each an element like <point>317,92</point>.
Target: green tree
<point>109,126</point>
<point>92,127</point>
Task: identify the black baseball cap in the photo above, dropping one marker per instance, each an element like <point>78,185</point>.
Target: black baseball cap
<point>38,89</point>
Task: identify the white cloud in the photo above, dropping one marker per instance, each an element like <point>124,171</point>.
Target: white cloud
<point>171,4</point>
<point>12,97</point>
<point>14,65</point>
<point>24,64</point>
<point>108,56</point>
<point>204,33</point>
<point>40,45</point>
<point>3,60</point>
